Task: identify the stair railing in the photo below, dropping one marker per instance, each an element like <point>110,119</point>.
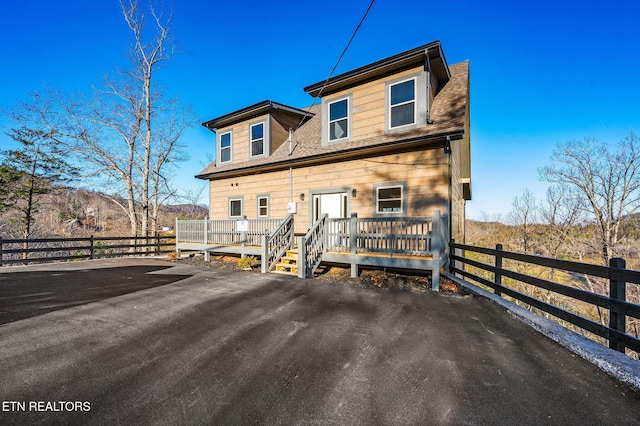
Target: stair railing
<point>311,247</point>
<point>276,244</point>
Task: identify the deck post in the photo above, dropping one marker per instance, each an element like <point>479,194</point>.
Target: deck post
<point>353,243</point>
<point>437,246</point>
<point>264,254</point>
<point>177,239</point>
<point>302,258</point>
<point>617,290</point>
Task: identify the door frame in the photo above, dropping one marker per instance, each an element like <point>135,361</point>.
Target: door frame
<point>339,190</point>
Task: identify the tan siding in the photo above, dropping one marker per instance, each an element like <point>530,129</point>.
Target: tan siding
<point>421,170</point>
<point>368,109</point>
<point>457,200</point>
<point>240,138</point>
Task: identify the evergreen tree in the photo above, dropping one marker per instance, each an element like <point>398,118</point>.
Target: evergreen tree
<point>35,168</point>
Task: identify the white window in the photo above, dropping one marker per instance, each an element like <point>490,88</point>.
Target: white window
<point>225,147</point>
<point>402,103</point>
<point>235,207</point>
<point>389,199</point>
<point>257,139</point>
<point>339,120</point>
<point>263,206</point>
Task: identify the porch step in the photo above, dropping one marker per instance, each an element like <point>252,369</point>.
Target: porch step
<point>288,263</point>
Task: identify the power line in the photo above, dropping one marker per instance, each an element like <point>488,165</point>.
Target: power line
<point>315,99</point>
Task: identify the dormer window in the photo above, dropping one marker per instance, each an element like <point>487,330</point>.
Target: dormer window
<point>402,103</point>
<point>225,147</point>
<point>257,139</point>
<point>339,120</point>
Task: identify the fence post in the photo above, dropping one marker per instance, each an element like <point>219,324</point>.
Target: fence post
<point>302,258</point>
<point>617,290</point>
<point>1,242</point>
<point>206,230</point>
<point>91,247</point>
<point>498,265</point>
<point>157,245</point>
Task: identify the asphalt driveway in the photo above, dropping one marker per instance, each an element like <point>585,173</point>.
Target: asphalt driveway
<point>146,342</point>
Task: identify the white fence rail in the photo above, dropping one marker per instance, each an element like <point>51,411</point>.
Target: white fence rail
<point>224,232</point>
<point>421,236</point>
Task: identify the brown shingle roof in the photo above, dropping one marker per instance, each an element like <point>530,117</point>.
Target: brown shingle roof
<point>448,113</point>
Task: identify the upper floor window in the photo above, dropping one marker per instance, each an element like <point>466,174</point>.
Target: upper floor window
<point>402,103</point>
<point>339,120</point>
<point>225,147</point>
<point>389,199</point>
<point>257,139</point>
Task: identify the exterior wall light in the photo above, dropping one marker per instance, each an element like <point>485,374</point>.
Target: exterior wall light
<point>302,196</point>
<point>354,193</point>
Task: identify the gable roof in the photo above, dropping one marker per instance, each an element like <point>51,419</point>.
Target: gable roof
<point>448,113</point>
<point>431,52</point>
<point>253,111</point>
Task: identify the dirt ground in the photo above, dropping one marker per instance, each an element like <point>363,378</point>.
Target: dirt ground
<point>369,278</point>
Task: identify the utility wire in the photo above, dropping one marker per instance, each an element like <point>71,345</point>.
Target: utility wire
<point>315,99</point>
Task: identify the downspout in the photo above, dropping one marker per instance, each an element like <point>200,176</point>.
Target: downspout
<point>290,167</point>
<point>428,66</point>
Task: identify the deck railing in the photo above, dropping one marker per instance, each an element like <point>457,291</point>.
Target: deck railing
<point>224,232</point>
<point>311,248</point>
<point>421,236</point>
<point>275,245</point>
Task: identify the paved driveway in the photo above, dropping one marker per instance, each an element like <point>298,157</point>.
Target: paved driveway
<point>145,342</point>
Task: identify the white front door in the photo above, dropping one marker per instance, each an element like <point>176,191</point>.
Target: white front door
<point>334,205</point>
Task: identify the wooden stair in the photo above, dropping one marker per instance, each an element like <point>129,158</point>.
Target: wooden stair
<point>288,263</point>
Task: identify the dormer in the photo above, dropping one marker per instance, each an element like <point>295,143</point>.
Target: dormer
<point>254,132</point>
<point>388,96</point>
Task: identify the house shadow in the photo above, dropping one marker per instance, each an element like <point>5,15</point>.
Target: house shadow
<point>28,294</point>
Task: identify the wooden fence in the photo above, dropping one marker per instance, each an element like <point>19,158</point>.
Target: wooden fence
<point>42,250</point>
<point>615,302</point>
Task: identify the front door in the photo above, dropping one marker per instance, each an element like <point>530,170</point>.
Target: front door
<point>335,205</point>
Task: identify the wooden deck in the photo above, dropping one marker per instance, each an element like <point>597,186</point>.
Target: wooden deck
<point>417,243</point>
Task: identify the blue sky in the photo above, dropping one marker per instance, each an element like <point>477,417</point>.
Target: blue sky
<point>541,72</point>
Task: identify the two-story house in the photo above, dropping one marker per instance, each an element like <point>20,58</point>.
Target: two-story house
<point>376,173</point>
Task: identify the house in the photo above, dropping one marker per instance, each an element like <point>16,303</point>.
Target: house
<point>375,173</point>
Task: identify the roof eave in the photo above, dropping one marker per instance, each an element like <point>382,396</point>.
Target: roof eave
<point>251,111</point>
<point>405,59</point>
<point>318,158</point>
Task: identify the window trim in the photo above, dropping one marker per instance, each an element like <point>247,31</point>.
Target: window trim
<point>264,139</point>
<point>422,102</point>
<point>230,200</point>
<point>230,147</point>
<point>403,199</point>
<point>268,206</point>
<point>390,107</point>
<point>326,122</point>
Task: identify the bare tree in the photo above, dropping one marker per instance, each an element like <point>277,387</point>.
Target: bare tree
<point>608,181</point>
<point>561,211</point>
<point>523,216</point>
<point>126,133</point>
